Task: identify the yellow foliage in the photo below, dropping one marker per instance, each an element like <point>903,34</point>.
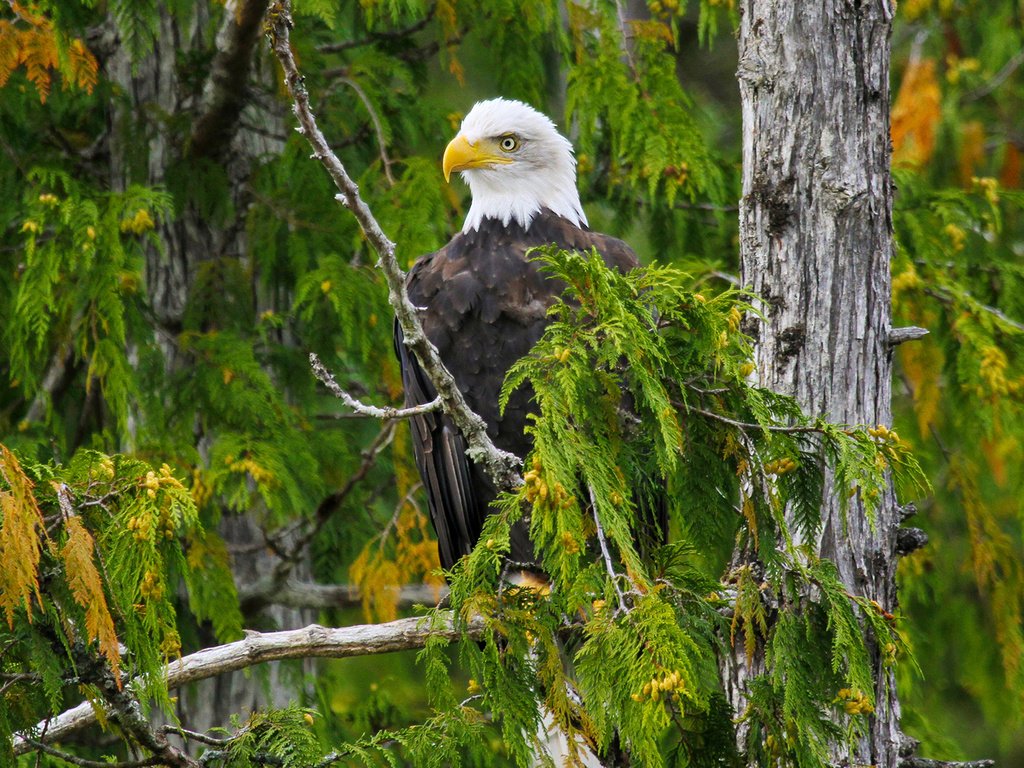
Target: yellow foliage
<point>998,450</point>
<point>957,236</point>
<point>989,186</point>
<point>972,149</point>
<point>445,12</point>
<point>956,66</point>
<point>140,223</point>
<point>922,365</point>
<point>915,114</point>
<point>750,514</point>
<point>997,567</point>
<point>992,370</point>
<point>403,553</point>
<point>260,474</point>
<point>21,531</point>
<point>32,43</point>
<point>82,66</point>
<point>87,589</point>
<point>907,280</point>
<point>652,30</point>
<point>913,9</point>
<point>1010,175</point>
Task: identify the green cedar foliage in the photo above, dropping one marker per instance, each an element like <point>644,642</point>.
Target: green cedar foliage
<point>225,398</point>
<point>101,540</point>
<point>622,647</point>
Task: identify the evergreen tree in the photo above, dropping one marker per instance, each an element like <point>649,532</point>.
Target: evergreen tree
<point>172,473</point>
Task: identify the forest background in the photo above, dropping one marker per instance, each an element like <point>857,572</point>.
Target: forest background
<point>119,147</point>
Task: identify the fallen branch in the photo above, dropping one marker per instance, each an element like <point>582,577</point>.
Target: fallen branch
<point>313,641</point>
<point>501,466</point>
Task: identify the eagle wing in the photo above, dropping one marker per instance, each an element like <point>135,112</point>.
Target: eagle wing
<point>484,305</point>
<point>440,452</point>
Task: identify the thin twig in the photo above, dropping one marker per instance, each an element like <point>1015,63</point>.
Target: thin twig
<point>395,34</point>
<point>18,678</point>
<point>85,763</point>
<point>387,413</point>
<point>947,298</point>
<point>749,426</point>
<point>321,597</point>
<point>378,127</point>
<point>998,78</point>
<point>627,39</point>
<point>185,733</point>
<point>605,553</point>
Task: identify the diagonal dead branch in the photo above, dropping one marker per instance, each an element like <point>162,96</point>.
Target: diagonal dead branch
<point>313,641</point>
<point>501,466</point>
<point>378,127</point>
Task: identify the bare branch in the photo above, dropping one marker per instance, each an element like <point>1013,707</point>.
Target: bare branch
<point>749,426</point>
<point>998,78</point>
<point>185,733</point>
<point>921,762</point>
<point>501,466</point>
<point>387,413</point>
<point>313,641</point>
<point>85,763</point>
<point>949,299</point>
<point>608,564</point>
<point>395,34</point>
<point>627,38</point>
<point>378,127</point>
<point>305,594</point>
<point>907,333</point>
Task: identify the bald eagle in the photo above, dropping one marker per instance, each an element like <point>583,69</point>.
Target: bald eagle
<point>484,303</point>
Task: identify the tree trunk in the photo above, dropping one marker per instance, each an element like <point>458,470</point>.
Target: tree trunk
<point>815,247</point>
<point>143,142</point>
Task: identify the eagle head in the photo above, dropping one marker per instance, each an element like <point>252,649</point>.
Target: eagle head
<point>516,163</point>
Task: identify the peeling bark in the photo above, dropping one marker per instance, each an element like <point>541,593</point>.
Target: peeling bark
<point>815,245</point>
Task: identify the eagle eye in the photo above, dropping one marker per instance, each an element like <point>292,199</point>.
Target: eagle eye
<point>509,142</point>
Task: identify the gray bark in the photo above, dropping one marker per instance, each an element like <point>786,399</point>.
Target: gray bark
<point>815,246</point>
<point>145,139</point>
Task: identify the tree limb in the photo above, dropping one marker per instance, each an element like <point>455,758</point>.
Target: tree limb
<point>378,127</point>
<point>226,90</point>
<point>376,37</point>
<point>387,413</point>
<point>84,763</point>
<point>501,466</point>
<point>306,594</point>
<point>313,641</point>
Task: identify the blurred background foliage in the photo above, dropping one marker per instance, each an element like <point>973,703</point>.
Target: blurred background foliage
<point>159,293</point>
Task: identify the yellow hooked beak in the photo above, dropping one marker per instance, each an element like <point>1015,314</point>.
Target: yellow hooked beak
<point>460,155</point>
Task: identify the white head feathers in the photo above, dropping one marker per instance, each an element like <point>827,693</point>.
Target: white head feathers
<point>516,163</point>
